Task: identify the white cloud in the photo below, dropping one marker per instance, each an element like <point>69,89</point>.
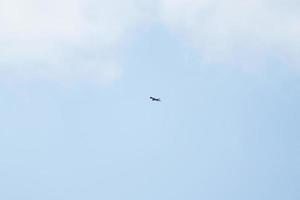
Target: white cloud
<point>238,32</point>
<point>80,40</point>
<point>64,39</point>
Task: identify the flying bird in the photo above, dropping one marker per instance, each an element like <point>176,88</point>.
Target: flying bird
<point>155,99</point>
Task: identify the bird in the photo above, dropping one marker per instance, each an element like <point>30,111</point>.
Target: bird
<point>155,99</point>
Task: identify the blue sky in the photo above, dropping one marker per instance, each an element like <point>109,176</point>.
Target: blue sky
<point>77,122</point>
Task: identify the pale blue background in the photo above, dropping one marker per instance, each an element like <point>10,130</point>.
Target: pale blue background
<point>220,132</point>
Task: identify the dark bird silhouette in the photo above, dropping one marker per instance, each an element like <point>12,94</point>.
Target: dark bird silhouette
<point>155,99</point>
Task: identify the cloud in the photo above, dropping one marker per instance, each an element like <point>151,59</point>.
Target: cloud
<point>81,40</point>
<point>234,32</point>
<point>64,40</point>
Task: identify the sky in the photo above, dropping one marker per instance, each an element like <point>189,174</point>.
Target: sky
<point>76,118</point>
